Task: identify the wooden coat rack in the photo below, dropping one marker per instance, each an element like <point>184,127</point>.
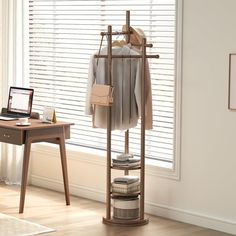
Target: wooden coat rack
<point>108,219</point>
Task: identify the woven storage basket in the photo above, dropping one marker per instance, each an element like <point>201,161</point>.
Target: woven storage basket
<point>126,209</point>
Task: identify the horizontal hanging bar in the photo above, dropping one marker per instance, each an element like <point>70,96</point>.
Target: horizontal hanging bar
<point>126,56</point>
<point>115,33</point>
<point>149,45</point>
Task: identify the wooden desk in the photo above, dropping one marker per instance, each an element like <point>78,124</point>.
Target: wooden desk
<point>36,132</point>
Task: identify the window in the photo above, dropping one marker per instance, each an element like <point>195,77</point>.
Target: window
<point>63,34</point>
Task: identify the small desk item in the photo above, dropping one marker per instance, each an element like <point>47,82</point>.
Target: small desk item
<point>49,115</point>
<point>34,133</point>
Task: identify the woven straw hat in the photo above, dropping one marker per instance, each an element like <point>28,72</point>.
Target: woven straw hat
<point>135,37</point>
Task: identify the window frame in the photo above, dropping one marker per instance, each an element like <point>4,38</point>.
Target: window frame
<point>157,168</point>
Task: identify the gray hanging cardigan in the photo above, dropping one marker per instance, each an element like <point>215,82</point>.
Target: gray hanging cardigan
<point>126,79</point>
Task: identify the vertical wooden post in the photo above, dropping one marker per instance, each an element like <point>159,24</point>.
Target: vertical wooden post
<point>128,26</point>
<point>126,147</point>
<point>109,73</point>
<point>126,141</point>
<point>142,172</point>
<point>127,41</point>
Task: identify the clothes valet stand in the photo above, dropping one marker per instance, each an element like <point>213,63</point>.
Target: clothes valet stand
<point>108,219</point>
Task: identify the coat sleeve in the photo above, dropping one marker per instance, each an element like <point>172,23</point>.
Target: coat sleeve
<point>91,80</point>
<point>148,94</point>
<point>138,84</point>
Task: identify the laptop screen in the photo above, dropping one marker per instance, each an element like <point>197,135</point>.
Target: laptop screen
<point>20,100</point>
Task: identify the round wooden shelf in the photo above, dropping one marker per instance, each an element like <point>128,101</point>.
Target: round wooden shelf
<point>115,195</point>
<point>126,168</point>
<point>128,223</point>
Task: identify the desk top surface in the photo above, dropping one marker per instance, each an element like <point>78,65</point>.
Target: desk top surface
<point>34,124</point>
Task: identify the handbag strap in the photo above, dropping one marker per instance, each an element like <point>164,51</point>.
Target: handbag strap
<point>99,52</point>
<point>94,106</point>
<point>100,47</point>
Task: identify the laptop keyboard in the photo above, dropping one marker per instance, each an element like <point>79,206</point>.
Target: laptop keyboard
<point>11,115</point>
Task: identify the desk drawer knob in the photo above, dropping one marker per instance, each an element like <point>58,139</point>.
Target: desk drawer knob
<point>6,135</point>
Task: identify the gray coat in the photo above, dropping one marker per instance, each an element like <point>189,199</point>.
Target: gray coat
<point>126,79</point>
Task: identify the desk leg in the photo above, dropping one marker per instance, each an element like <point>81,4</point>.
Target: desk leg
<point>64,167</point>
<point>25,168</point>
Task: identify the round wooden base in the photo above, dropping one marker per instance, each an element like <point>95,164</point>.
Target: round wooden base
<point>129,223</point>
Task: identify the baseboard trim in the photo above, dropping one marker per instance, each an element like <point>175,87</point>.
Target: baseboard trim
<point>76,190</point>
<point>189,217</point>
<point>150,208</point>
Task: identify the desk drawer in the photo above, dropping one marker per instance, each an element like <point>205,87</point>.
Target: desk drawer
<point>11,136</point>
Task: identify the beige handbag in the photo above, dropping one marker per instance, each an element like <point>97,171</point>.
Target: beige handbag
<point>101,95</point>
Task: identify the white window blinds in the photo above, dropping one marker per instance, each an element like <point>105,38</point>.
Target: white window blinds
<point>63,36</point>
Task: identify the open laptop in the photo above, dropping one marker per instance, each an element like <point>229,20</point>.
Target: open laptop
<point>19,103</point>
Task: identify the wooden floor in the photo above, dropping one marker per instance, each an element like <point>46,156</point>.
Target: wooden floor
<point>84,217</point>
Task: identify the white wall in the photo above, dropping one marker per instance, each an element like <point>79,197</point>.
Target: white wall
<point>205,194</point>
<point>1,33</point>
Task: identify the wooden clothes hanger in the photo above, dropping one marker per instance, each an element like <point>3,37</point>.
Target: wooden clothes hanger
<point>118,43</point>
